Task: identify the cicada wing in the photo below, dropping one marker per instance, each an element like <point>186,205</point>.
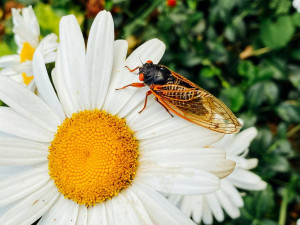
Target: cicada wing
<point>198,106</point>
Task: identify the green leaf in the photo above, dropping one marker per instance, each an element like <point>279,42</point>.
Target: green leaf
<point>47,18</point>
<point>296,19</point>
<point>277,163</point>
<point>289,112</point>
<point>280,6</point>
<point>4,49</point>
<point>247,69</point>
<point>271,91</point>
<point>254,95</point>
<point>277,34</point>
<point>233,97</point>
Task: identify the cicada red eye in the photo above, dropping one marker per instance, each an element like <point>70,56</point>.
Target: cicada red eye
<point>141,77</point>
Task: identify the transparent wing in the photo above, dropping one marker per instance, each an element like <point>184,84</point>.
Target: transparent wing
<point>198,106</point>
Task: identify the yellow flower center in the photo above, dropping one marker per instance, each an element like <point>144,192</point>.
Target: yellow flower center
<point>26,54</point>
<point>93,157</point>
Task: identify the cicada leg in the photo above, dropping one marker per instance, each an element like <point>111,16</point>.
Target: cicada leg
<point>132,70</point>
<point>156,99</point>
<point>137,85</point>
<point>145,104</point>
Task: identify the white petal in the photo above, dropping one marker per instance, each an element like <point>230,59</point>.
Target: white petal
<point>151,50</point>
<point>208,159</point>
<point>26,27</point>
<point>192,136</point>
<point>31,208</point>
<point>215,206</point>
<point>97,215</point>
<point>50,45</point>
<point>9,60</point>
<point>231,209</point>
<point>82,215</point>
<point>21,185</point>
<point>13,123</point>
<point>241,141</point>
<point>8,71</point>
<point>120,52</point>
<point>27,104</point>
<point>99,58</point>
<point>9,171</point>
<point>15,151</point>
<point>161,211</point>
<point>123,213</point>
<point>44,85</point>
<point>72,65</point>
<point>63,212</point>
<point>232,193</point>
<point>178,180</point>
<point>207,217</point>
<point>247,180</point>
<point>24,67</point>
<point>58,80</point>
<point>136,203</point>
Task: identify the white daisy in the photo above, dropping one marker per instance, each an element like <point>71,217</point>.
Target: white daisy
<point>27,37</point>
<point>103,169</point>
<point>296,4</point>
<point>205,207</point>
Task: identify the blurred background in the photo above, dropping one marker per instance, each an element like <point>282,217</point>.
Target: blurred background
<point>246,52</point>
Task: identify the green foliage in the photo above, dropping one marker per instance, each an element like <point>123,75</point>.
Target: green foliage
<point>278,34</point>
<point>245,52</point>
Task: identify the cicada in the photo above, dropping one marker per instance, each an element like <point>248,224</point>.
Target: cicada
<point>184,98</point>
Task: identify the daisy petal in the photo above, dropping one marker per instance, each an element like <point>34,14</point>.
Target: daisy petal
<point>160,210</point>
<point>231,209</point>
<point>21,185</point>
<point>211,160</point>
<point>123,212</point>
<point>27,104</point>
<point>41,78</point>
<point>58,80</point>
<point>151,50</point>
<point>207,216</point>
<point>9,171</point>
<point>26,27</point>
<point>82,215</point>
<point>15,151</point>
<point>31,208</point>
<point>10,72</point>
<point>215,206</point>
<point>135,202</point>
<point>232,192</point>
<point>192,136</point>
<point>97,215</point>
<point>9,60</point>
<point>246,180</point>
<point>13,123</point>
<point>99,57</point>
<point>241,141</point>
<point>178,180</point>
<point>72,65</point>
<point>64,212</point>
<point>120,52</point>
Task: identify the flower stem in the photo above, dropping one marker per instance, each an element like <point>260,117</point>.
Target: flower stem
<point>283,208</point>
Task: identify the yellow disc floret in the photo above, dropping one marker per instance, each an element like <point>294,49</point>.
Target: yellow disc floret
<point>92,157</point>
<point>26,54</point>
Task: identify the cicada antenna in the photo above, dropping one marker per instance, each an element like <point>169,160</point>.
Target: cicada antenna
<point>141,60</point>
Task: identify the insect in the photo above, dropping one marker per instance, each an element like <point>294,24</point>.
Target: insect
<point>184,98</point>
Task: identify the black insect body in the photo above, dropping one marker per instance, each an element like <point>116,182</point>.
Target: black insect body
<point>155,74</point>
